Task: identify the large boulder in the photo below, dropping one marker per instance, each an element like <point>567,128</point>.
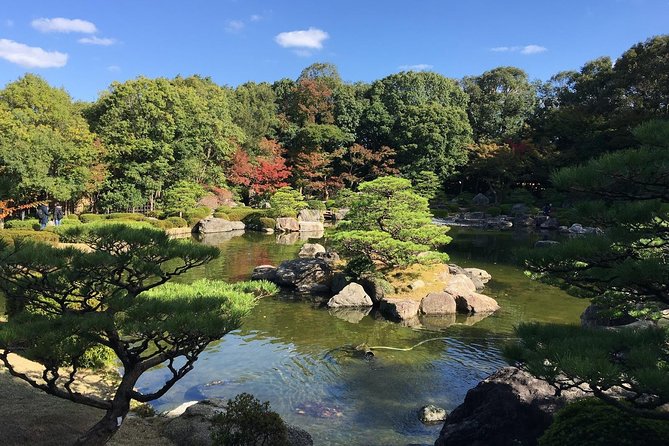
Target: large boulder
<point>329,256</point>
<point>473,276</point>
<point>212,225</point>
<point>509,408</point>
<point>311,250</point>
<point>353,295</point>
<point>305,275</point>
<point>194,427</point>
<point>311,226</point>
<point>438,303</point>
<point>478,273</point>
<point>264,272</point>
<point>400,309</point>
<point>312,215</point>
<point>287,224</point>
<point>467,300</point>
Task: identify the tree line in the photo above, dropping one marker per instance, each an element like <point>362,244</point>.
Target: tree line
<point>145,138</point>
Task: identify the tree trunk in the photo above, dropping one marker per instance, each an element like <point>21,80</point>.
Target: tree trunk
<point>103,430</point>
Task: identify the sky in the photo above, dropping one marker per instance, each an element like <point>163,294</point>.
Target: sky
<point>84,45</point>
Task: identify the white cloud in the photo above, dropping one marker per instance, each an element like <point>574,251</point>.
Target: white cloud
<point>256,18</point>
<point>311,38</point>
<point>95,40</point>
<point>62,25</point>
<point>9,23</point>
<point>533,49</point>
<point>417,67</point>
<point>114,68</point>
<point>234,26</point>
<point>527,49</point>
<point>30,56</point>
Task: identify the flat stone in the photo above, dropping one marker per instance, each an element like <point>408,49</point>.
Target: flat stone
<point>400,309</point>
<point>312,215</point>
<point>213,225</point>
<point>287,224</point>
<point>475,303</point>
<point>311,226</point>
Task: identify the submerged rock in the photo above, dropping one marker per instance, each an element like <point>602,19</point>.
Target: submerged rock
<point>432,414</point>
<point>350,314</point>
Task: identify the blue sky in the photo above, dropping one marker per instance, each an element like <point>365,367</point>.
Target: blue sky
<point>84,45</point>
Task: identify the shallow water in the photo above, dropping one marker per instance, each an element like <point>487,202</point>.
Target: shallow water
<point>300,357</point>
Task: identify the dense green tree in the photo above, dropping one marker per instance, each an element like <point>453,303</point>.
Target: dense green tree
<point>254,110</point>
<point>388,226</point>
<point>46,148</point>
<point>66,301</point>
<point>181,197</point>
<point>287,202</point>
<point>625,271</point>
<point>501,101</point>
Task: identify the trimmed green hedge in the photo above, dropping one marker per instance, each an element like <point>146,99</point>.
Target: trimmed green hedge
<point>316,205</point>
<point>8,235</point>
<point>28,223</point>
<point>72,217</point>
<point>222,215</point>
<point>239,214</point>
<point>88,218</point>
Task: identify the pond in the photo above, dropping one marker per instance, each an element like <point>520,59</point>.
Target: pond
<point>298,356</point>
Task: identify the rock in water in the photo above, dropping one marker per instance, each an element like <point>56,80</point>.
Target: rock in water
<point>310,215</point>
<point>353,295</point>
<point>432,414</point>
<point>287,224</point>
<point>305,275</point>
<point>399,309</point>
<point>311,250</point>
<point>438,303</point>
<point>264,272</point>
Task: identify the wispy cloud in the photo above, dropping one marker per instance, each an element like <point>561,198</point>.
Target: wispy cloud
<point>8,23</point>
<point>311,38</point>
<point>234,26</point>
<point>527,49</point>
<point>417,67</point>
<point>62,25</point>
<point>30,56</point>
<point>255,18</point>
<point>114,68</point>
<point>95,40</point>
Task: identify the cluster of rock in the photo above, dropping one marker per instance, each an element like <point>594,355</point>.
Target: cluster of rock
<point>313,273</point>
<point>308,220</point>
<point>191,425</point>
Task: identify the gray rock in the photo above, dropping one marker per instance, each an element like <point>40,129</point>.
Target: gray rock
<point>594,316</point>
<point>399,309</point>
<point>545,243</point>
<point>305,275</point>
<point>478,273</point>
<point>264,272</point>
<point>311,250</point>
<point>311,215</point>
<point>438,303</point>
<point>353,295</point>
<point>480,200</point>
<point>212,225</point>
<point>237,225</point>
<point>576,228</point>
<point>287,224</point>
<point>523,221</point>
<point>475,303</point>
<point>511,407</point>
<point>460,284</point>
<point>550,223</point>
<point>340,214</point>
<point>432,414</point>
<point>329,256</point>
<point>311,226</point>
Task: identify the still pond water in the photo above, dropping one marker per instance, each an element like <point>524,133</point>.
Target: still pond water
<point>297,355</point>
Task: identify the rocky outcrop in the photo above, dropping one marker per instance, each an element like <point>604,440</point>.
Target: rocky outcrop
<point>399,309</point>
<point>352,295</point>
<point>467,300</point>
<point>478,276</point>
<point>438,304</point>
<point>194,427</point>
<point>579,229</point>
<point>509,408</point>
<point>329,256</point>
<point>212,225</point>
<point>311,250</point>
<point>287,224</point>
<point>305,275</point>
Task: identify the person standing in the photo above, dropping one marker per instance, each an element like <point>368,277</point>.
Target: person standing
<point>43,215</point>
<point>57,214</point>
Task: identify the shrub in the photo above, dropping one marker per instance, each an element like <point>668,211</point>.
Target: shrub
<point>520,196</point>
<point>8,235</point>
<point>316,205</point>
<point>125,216</point>
<point>222,215</point>
<point>267,223</point>
<point>287,202</point>
<point>70,222</point>
<point>72,217</point>
<point>247,422</point>
<point>29,223</point>
<point>177,222</point>
<point>343,199</point>
<point>88,218</point>
<point>494,211</point>
<point>239,214</point>
<point>98,357</point>
<point>155,214</point>
<point>591,422</point>
<point>258,220</point>
<point>198,212</point>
